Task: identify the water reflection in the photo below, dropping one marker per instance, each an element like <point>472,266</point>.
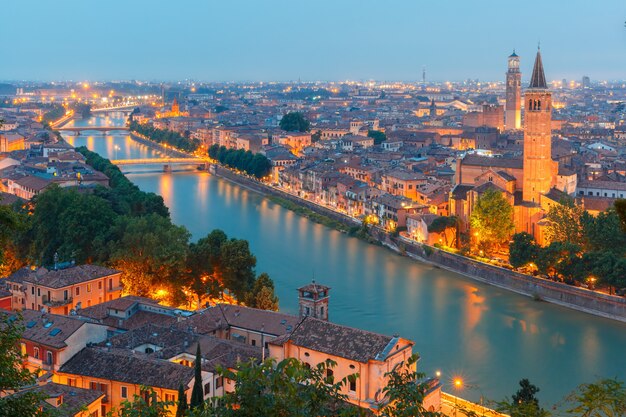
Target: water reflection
<point>491,336</point>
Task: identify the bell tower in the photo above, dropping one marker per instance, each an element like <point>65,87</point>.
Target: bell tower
<point>537,136</point>
<point>313,300</point>
<point>513,107</point>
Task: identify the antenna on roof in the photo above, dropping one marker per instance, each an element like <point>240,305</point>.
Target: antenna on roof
<point>56,260</point>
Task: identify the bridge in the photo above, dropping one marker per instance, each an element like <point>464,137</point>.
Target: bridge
<point>78,129</point>
<point>166,162</point>
<point>121,107</point>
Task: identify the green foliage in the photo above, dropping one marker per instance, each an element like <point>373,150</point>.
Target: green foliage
<point>55,113</point>
<point>445,225</point>
<point>220,109</point>
<point>150,250</point>
<point>238,267</point>
<point>523,250</point>
<point>286,388</point>
<point>197,393</point>
<point>13,376</point>
<point>181,405</point>
<point>379,137</point>
<point>492,220</point>
<point>124,196</point>
<point>620,208</point>
<point>294,122</point>
<point>604,398</point>
<point>405,391</point>
<point>253,164</point>
<point>565,223</point>
<point>262,295</point>
<point>83,109</point>
<point>204,265</point>
<point>316,137</point>
<point>165,136</point>
<point>145,405</point>
<point>76,225</point>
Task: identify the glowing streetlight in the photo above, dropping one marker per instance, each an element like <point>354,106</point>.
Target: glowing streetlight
<point>458,383</point>
<point>117,148</point>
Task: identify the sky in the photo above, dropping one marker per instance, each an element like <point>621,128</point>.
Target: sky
<point>327,40</point>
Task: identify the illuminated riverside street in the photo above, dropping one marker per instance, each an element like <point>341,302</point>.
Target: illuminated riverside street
<point>488,336</point>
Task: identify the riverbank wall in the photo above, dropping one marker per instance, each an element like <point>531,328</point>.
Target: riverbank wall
<point>604,305</point>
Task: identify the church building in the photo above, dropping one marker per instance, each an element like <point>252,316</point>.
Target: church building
<point>531,183</point>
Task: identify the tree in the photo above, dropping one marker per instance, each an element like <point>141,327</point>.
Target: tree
<point>238,267</point>
<point>144,405</point>
<point>620,208</point>
<point>522,250</point>
<point>603,233</point>
<point>565,223</point>
<point>150,251</point>
<point>204,264</point>
<point>523,403</point>
<point>262,294</point>
<point>294,122</point>
<point>286,388</point>
<point>604,398</point>
<point>181,405</point>
<point>316,137</point>
<point>491,220</point>
<point>379,137</point>
<point>13,375</point>
<point>197,393</point>
<point>405,391</point>
<point>445,225</point>
<point>72,224</point>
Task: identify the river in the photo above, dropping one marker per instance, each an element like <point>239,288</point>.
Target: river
<point>489,337</point>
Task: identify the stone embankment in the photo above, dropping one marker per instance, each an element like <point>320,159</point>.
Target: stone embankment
<point>609,306</point>
<point>581,299</point>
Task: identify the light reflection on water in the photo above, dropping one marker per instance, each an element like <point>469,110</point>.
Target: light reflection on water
<point>491,336</point>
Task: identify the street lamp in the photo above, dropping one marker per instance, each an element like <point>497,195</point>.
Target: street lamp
<point>117,148</point>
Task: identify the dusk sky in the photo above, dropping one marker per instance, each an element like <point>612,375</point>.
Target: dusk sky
<point>210,40</point>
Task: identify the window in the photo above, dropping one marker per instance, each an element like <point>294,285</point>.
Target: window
<point>23,346</point>
<point>36,352</point>
<point>124,392</point>
<point>38,292</point>
<point>32,290</point>
<point>322,311</point>
<point>65,295</point>
<point>77,291</point>
<point>330,375</point>
<point>71,382</point>
<point>99,285</point>
<point>253,342</point>
<point>352,383</point>
<point>207,388</point>
<point>218,382</point>
<point>49,358</point>
<point>88,287</point>
<point>110,284</point>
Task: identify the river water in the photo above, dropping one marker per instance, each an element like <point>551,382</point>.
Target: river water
<point>488,336</point>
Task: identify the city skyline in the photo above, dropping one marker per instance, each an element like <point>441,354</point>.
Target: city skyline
<point>245,41</point>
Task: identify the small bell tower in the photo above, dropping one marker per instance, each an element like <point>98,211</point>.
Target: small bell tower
<point>313,300</point>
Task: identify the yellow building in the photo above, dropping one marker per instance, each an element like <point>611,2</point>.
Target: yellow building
<point>59,291</point>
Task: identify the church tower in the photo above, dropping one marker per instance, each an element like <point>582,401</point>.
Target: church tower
<point>537,136</point>
<point>313,301</point>
<point>513,108</point>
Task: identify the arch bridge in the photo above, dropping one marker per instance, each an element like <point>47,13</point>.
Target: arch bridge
<point>77,130</point>
<point>166,162</point>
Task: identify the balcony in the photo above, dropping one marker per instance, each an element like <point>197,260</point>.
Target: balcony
<point>57,303</point>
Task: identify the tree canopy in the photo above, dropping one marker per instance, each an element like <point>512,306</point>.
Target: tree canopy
<point>491,220</point>
<point>294,122</point>
<point>379,137</point>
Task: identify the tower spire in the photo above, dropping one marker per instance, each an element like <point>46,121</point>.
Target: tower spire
<point>538,79</point>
